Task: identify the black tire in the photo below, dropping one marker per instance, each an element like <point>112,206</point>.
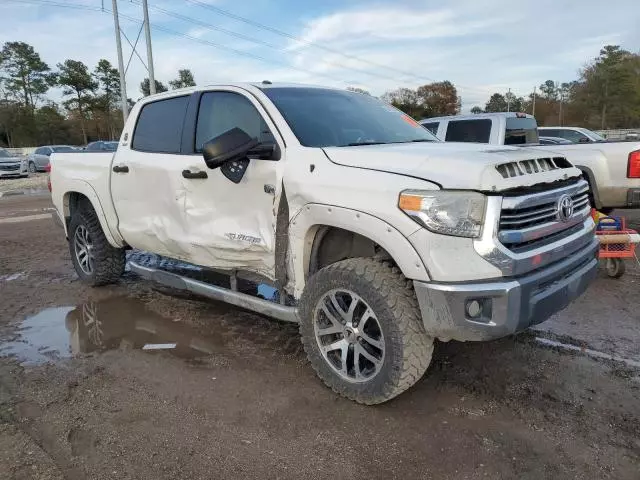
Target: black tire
<point>407,347</point>
<point>32,167</point>
<point>108,262</point>
<point>615,267</point>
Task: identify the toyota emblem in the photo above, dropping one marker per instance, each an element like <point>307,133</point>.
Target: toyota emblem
<point>565,208</point>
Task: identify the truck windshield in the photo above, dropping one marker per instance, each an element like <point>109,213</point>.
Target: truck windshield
<point>333,118</point>
<point>520,131</point>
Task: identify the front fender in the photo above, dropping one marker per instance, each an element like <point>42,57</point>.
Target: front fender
<point>84,188</point>
<point>313,216</point>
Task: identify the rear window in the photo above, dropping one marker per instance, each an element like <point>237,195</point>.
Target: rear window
<point>475,131</point>
<point>62,149</point>
<point>520,131</point>
<point>159,127</point>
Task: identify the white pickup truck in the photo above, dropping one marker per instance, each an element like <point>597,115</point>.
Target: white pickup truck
<point>611,168</point>
<point>379,237</point>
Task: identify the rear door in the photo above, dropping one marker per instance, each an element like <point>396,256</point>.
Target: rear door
<point>146,180</point>
<point>232,225</point>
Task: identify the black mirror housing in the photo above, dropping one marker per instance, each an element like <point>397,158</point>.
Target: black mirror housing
<point>233,144</point>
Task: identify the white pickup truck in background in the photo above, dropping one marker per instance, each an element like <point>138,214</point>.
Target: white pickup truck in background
<point>379,237</point>
<point>611,168</point>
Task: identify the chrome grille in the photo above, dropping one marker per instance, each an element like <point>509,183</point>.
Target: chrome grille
<point>532,221</point>
<point>9,167</point>
<point>534,165</point>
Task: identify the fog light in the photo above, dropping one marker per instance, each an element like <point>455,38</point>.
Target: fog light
<point>474,308</point>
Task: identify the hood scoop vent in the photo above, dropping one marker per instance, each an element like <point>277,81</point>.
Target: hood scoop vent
<point>534,165</point>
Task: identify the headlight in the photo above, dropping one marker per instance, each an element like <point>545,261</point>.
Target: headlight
<point>458,213</point>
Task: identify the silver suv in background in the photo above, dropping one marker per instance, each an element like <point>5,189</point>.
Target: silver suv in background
<point>572,134</point>
<point>39,159</point>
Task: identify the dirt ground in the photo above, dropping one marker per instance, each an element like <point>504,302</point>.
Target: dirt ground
<point>234,398</point>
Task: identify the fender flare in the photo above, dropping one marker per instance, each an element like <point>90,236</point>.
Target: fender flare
<point>84,188</point>
<point>311,217</point>
<point>593,186</point>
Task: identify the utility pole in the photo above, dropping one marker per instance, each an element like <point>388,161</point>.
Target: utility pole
<point>147,33</point>
<point>534,102</point>
<point>509,100</point>
<point>123,80</point>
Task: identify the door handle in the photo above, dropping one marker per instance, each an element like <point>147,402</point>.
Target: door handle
<point>190,174</point>
<point>121,169</point>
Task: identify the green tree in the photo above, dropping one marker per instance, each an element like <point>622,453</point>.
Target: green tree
<point>475,110</point>
<point>439,98</point>
<point>76,80</point>
<point>406,100</point>
<point>185,79</point>
<point>145,87</point>
<point>108,79</point>
<point>497,103</point>
<point>51,125</point>
<point>23,73</point>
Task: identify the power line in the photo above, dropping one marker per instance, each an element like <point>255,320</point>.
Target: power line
<point>253,40</point>
<point>277,31</point>
<point>59,4</point>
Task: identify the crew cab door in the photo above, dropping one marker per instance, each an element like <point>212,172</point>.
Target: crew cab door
<point>147,186</point>
<point>231,225</point>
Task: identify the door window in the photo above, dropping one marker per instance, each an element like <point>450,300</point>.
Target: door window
<point>222,111</point>
<point>477,131</point>
<point>573,136</point>
<point>159,127</point>
<point>432,127</point>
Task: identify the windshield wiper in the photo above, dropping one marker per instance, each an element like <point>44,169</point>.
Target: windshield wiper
<point>357,144</point>
<point>417,140</point>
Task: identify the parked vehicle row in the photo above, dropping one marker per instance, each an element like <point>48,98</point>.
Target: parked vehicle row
<point>379,237</point>
<point>611,168</point>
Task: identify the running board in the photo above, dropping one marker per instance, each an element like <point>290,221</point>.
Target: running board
<point>249,302</point>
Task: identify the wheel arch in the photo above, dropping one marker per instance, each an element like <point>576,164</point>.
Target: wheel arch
<point>323,235</point>
<point>83,193</point>
<point>593,186</point>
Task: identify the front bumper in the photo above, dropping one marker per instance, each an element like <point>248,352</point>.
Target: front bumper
<point>507,306</point>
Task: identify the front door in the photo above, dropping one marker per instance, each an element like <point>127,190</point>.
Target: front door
<point>232,225</point>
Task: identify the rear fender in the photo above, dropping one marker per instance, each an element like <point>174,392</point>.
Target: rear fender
<point>85,189</point>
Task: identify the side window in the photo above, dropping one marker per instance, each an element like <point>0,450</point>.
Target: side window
<point>432,127</point>
<point>38,151</point>
<point>551,133</point>
<point>477,131</point>
<point>573,136</point>
<point>159,126</point>
<point>220,112</point>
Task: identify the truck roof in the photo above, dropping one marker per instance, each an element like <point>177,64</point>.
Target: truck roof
<point>475,116</point>
<point>265,84</point>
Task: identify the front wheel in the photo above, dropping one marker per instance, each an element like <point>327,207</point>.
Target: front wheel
<point>362,331</point>
<point>32,167</point>
<point>95,260</point>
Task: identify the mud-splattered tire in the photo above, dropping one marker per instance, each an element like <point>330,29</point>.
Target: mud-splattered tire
<point>106,262</point>
<point>405,346</point>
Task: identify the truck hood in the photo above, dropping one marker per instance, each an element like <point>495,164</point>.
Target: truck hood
<point>464,166</point>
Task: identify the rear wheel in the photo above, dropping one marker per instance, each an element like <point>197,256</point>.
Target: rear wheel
<point>362,331</point>
<point>95,260</point>
<point>32,167</point>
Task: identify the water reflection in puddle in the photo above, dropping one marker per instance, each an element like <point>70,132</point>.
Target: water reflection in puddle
<point>118,323</point>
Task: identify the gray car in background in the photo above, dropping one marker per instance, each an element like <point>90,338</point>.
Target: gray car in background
<point>39,159</point>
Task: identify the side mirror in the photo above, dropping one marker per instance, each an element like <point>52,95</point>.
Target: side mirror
<point>233,144</point>
<point>584,140</point>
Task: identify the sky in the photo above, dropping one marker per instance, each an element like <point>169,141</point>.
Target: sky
<point>482,46</point>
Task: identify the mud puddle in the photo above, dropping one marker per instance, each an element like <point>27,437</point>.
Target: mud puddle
<point>116,323</point>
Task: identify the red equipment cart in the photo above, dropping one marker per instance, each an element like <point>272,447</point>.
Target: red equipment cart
<point>614,251</point>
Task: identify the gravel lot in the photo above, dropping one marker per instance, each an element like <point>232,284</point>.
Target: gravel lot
<point>235,398</point>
